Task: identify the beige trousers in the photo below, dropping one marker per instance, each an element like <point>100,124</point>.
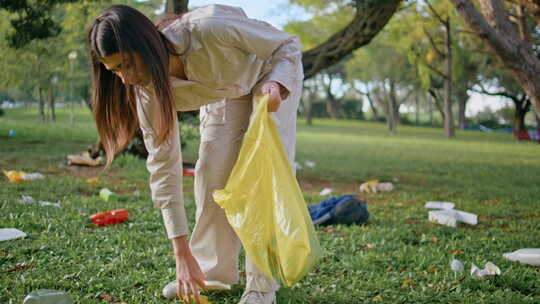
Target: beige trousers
<point>214,243</point>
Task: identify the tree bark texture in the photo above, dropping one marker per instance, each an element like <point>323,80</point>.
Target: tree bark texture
<point>493,26</point>
<point>448,116</point>
<point>176,6</point>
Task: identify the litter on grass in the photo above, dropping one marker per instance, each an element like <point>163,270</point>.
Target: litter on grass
<point>326,191</point>
<point>47,296</point>
<point>27,199</point>
<point>451,217</point>
<point>84,159</point>
<point>457,266</point>
<point>374,186</point>
<point>439,205</point>
<point>21,176</point>
<point>7,234</point>
<point>109,217</point>
<point>107,194</point>
<point>310,164</point>
<point>529,256</point>
<point>489,270</point>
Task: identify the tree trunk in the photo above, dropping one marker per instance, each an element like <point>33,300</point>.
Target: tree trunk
<point>51,104</point>
<point>519,118</point>
<point>417,109</point>
<point>333,104</point>
<point>448,116</point>
<point>436,100</point>
<point>373,107</point>
<point>41,101</point>
<point>494,27</point>
<point>385,101</point>
<point>463,97</point>
<point>369,19</point>
<point>394,106</point>
<point>176,6</point>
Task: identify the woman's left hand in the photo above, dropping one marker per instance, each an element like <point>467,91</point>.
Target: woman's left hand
<point>273,90</point>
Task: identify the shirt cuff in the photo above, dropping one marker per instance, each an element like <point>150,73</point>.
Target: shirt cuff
<point>175,220</point>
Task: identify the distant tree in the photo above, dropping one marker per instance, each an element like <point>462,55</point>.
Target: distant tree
<point>493,25</point>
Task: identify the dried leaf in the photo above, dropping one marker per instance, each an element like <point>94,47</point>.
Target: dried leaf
<point>109,298</point>
<point>18,267</point>
<point>456,251</point>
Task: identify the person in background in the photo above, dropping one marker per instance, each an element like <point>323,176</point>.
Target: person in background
<point>215,59</point>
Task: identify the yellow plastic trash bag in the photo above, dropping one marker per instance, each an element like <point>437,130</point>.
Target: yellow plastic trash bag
<point>264,205</point>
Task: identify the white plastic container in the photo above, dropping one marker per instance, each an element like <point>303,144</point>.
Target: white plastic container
<point>450,217</point>
<point>439,205</point>
<point>529,256</point>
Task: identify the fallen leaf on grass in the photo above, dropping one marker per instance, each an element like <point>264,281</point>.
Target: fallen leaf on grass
<point>371,246</point>
<point>483,239</point>
<point>407,283</point>
<point>3,252</point>
<point>377,299</point>
<point>456,251</point>
<point>18,268</point>
<point>109,298</point>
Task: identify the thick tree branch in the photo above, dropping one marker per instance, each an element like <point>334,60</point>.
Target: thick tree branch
<point>371,16</point>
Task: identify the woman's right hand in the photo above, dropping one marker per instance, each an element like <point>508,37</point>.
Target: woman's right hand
<point>188,272</point>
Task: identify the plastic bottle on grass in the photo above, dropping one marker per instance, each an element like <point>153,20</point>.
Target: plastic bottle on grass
<point>529,256</point>
<point>109,217</point>
<point>107,195</point>
<point>47,296</point>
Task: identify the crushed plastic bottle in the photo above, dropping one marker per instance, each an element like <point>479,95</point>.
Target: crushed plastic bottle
<point>107,195</point>
<point>47,296</point>
<point>109,217</point>
<point>456,265</point>
<point>529,256</point>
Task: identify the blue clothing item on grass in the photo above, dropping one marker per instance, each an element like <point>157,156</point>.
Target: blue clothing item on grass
<point>346,209</point>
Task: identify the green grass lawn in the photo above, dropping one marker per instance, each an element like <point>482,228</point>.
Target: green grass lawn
<point>398,257</point>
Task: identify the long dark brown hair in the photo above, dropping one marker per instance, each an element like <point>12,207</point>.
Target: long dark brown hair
<point>123,29</point>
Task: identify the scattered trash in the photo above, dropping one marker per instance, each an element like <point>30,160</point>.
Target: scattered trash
<point>20,176</point>
<point>373,186</point>
<point>309,164</point>
<point>346,209</point>
<point>7,234</point>
<point>326,191</point>
<point>457,266</point>
<point>385,187</point>
<point>84,159</point>
<point>33,176</point>
<point>27,199</point>
<point>451,217</point>
<point>45,203</point>
<point>489,270</point>
<point>107,194</point>
<point>529,256</point>
<point>188,172</point>
<point>109,217</point>
<point>439,205</point>
<point>47,296</point>
<point>92,181</point>
<point>12,132</point>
